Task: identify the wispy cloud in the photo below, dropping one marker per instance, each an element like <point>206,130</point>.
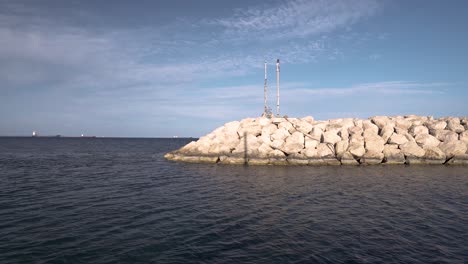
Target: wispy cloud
<point>298,18</point>
<point>384,88</point>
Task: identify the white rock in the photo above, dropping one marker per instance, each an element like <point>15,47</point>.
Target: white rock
<point>436,125</point>
<point>330,137</point>
<point>397,139</point>
<point>311,143</point>
<point>269,129</point>
<point>277,144</point>
<point>333,128</point>
<point>380,121</point>
<point>453,148</point>
<point>371,158</point>
<point>444,135</point>
<point>412,149</point>
<point>263,121</point>
<point>386,132</point>
<point>356,130</point>
<point>231,126</point>
<point>280,134</point>
<point>393,155</point>
<point>311,153</point>
<point>294,143</point>
<point>303,126</point>
<point>325,150</point>
<point>277,154</point>
<point>308,119</point>
<point>344,134</point>
<point>403,124</point>
<point>434,153</point>
<point>455,126</point>
<point>426,140</point>
<point>253,130</point>
<point>418,130</point>
<point>464,137</point>
<point>374,144</point>
<point>356,149</point>
<point>316,133</point>
<point>348,159</point>
<point>264,151</point>
<point>357,140</point>
<point>341,147</point>
<point>369,126</point>
<point>286,125</point>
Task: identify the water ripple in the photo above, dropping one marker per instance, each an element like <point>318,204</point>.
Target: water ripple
<point>119,201</point>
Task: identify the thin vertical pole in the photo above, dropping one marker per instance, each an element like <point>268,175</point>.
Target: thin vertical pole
<point>277,87</point>
<point>265,90</point>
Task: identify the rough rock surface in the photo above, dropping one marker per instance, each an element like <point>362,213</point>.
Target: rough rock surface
<point>304,141</point>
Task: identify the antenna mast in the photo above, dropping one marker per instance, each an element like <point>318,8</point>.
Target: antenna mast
<point>277,87</point>
<point>265,90</point>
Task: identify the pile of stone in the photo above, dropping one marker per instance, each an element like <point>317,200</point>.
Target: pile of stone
<point>345,141</point>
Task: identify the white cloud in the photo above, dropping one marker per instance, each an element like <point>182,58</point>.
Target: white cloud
<point>298,18</point>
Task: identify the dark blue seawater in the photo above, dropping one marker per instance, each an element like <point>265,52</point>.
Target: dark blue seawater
<point>93,200</point>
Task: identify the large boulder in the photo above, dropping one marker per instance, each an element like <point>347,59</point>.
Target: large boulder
<point>444,135</point>
<point>311,153</point>
<point>310,143</point>
<point>374,144</point>
<point>397,139</point>
<point>303,126</point>
<point>464,137</point>
<point>348,159</point>
<point>369,126</point>
<point>393,155</point>
<point>341,147</point>
<point>294,143</point>
<point>418,130</point>
<point>269,129</point>
<point>411,149</point>
<point>287,125</point>
<point>344,134</point>
<point>403,124</point>
<point>453,148</point>
<point>356,130</point>
<point>280,134</point>
<point>325,150</point>
<point>371,157</point>
<point>356,149</point>
<point>264,151</point>
<point>331,137</point>
<point>386,132</point>
<point>249,129</point>
<point>426,140</point>
<point>316,133</point>
<point>333,128</point>
<point>436,125</point>
<point>381,121</point>
<point>434,155</point>
<point>455,126</point>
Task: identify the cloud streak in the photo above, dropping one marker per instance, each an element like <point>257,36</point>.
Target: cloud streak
<point>300,18</point>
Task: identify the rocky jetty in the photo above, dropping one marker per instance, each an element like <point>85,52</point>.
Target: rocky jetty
<point>346,141</point>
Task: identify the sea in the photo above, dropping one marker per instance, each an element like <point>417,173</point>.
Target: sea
<point>117,200</point>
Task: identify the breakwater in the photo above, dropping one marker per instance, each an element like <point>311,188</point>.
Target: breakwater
<point>346,141</point>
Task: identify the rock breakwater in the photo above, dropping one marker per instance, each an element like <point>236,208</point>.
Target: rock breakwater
<point>346,141</point>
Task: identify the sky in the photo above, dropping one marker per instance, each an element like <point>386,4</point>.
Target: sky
<point>149,68</point>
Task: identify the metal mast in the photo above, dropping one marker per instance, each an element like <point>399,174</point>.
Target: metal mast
<point>265,90</point>
<point>277,87</point>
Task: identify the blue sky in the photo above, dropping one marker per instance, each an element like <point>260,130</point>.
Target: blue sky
<point>164,68</point>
